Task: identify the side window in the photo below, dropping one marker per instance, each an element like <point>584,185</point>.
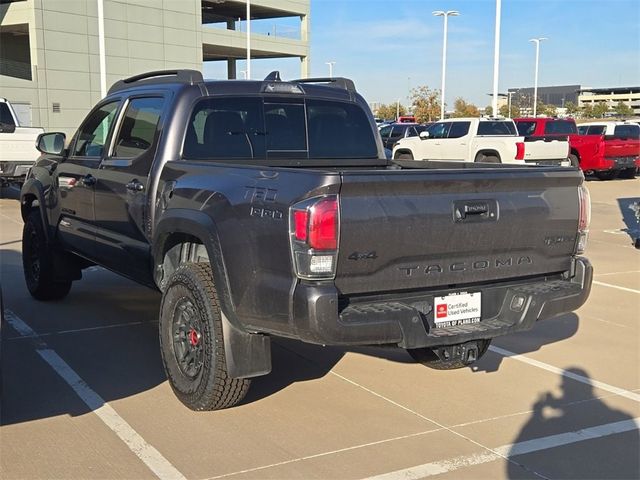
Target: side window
<point>138,128</point>
<point>459,129</point>
<point>398,131</point>
<point>526,129</point>
<point>596,130</point>
<point>93,134</point>
<point>225,128</point>
<point>439,130</point>
<point>5,115</point>
<point>384,131</point>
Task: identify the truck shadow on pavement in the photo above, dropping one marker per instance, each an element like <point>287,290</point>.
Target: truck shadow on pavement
<point>106,331</point>
<point>630,211</point>
<point>575,435</point>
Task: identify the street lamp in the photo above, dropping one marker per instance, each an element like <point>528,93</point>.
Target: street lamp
<point>535,82</point>
<point>331,64</point>
<point>248,39</point>
<point>446,15</point>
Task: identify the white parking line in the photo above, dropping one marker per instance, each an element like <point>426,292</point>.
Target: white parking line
<point>511,450</point>
<point>625,289</point>
<point>151,457</point>
<point>616,273</point>
<point>578,378</point>
<point>79,330</point>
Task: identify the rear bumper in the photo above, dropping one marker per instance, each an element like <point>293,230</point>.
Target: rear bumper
<point>408,321</point>
<point>622,163</point>
<point>14,170</point>
<point>550,162</point>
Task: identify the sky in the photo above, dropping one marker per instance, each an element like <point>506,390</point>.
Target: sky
<point>390,46</point>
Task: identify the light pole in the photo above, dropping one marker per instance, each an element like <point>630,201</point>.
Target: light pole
<point>509,94</point>
<point>496,57</point>
<point>248,39</point>
<point>446,15</point>
<point>331,64</point>
<point>535,81</point>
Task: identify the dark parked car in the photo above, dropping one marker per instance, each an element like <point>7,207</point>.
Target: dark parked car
<point>267,208</point>
<point>393,132</point>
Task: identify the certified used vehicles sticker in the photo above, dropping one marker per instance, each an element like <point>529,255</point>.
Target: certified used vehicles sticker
<point>457,309</point>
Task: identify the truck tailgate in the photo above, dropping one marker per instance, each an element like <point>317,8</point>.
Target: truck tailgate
<point>545,148</point>
<point>417,229</point>
<point>621,147</point>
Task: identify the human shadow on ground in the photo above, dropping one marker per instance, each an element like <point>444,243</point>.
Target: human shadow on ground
<point>606,445</point>
<point>544,333</point>
<point>630,211</point>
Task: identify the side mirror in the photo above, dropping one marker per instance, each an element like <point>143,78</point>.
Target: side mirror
<point>7,127</point>
<point>424,135</point>
<point>51,143</point>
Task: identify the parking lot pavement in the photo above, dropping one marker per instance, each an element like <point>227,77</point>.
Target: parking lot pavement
<point>85,396</point>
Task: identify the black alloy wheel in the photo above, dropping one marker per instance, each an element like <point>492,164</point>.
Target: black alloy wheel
<point>187,338</point>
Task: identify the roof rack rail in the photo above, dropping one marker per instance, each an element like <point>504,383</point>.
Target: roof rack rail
<point>160,76</point>
<point>337,82</point>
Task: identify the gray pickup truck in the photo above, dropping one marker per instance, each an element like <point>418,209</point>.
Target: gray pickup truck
<point>267,209</point>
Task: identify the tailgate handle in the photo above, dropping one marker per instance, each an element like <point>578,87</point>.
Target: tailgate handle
<point>474,210</point>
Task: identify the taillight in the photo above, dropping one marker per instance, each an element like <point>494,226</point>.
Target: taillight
<point>314,227</point>
<point>584,219</point>
<point>323,224</point>
<point>519,150</point>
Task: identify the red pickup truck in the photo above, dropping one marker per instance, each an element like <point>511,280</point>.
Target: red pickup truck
<point>606,152</point>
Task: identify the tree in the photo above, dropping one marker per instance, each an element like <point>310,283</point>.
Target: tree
<point>425,103</point>
<point>571,107</point>
<point>389,111</point>
<point>464,109</point>
<point>504,111</point>
<point>587,111</point>
<point>488,111</point>
<point>623,109</point>
<point>600,109</point>
<point>550,110</point>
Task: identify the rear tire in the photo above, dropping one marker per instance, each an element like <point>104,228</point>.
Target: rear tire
<point>482,158</point>
<point>435,357</point>
<point>608,175</point>
<point>38,262</point>
<point>575,161</point>
<point>192,344</point>
<point>628,173</point>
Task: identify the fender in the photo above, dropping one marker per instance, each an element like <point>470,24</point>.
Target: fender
<point>247,355</point>
<point>34,187</point>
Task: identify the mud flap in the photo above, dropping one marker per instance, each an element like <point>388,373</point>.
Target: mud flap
<point>247,354</point>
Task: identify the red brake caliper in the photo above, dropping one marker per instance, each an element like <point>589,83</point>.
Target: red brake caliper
<point>194,337</point>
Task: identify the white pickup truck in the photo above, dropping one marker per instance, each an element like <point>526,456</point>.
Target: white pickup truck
<point>487,140</point>
<point>17,146</point>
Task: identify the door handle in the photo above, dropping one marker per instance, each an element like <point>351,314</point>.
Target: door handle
<point>89,180</point>
<point>135,186</point>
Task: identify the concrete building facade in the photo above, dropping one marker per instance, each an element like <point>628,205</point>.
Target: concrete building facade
<point>611,96</point>
<point>57,56</point>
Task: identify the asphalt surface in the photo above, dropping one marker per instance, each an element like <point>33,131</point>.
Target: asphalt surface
<point>85,396</point>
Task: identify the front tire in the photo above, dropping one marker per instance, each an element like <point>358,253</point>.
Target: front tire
<point>403,156</point>
<point>450,357</point>
<point>192,344</point>
<point>38,262</point>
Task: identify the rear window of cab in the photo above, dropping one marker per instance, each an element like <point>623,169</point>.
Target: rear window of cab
<point>282,128</point>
